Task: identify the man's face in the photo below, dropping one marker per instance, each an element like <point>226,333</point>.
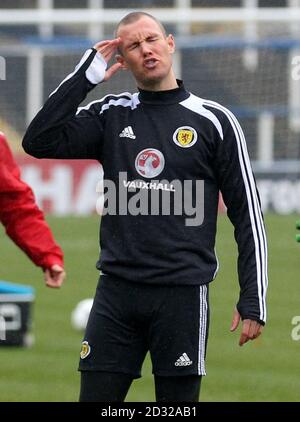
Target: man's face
<point>147,53</point>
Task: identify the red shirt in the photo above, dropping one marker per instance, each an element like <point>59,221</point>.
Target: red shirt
<point>23,220</point>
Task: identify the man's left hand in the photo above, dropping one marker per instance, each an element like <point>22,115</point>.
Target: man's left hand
<point>250,329</point>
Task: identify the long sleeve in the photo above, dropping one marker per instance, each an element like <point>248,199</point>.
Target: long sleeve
<point>58,131</point>
<point>240,195</point>
<point>23,221</point>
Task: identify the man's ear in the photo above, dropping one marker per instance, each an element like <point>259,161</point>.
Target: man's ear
<point>171,43</point>
<point>120,59</point>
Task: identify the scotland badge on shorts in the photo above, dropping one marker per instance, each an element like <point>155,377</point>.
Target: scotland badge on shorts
<point>85,350</point>
<point>185,136</point>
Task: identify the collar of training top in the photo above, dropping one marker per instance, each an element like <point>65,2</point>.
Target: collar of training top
<point>170,96</point>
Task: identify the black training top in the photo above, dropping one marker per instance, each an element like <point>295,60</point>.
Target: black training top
<point>166,155</point>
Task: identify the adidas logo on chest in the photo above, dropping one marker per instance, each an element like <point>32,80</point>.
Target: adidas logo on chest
<point>127,132</point>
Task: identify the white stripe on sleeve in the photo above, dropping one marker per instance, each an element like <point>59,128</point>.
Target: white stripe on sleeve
<point>255,213</point>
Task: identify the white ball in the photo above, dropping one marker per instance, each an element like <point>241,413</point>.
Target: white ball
<point>80,314</point>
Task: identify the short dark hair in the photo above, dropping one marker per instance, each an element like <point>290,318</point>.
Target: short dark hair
<point>135,16</point>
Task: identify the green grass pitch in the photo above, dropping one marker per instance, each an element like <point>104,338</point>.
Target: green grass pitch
<point>264,370</point>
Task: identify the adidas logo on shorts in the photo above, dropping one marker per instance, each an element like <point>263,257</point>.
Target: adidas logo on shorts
<point>184,360</point>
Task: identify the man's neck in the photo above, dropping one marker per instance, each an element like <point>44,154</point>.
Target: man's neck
<point>164,85</point>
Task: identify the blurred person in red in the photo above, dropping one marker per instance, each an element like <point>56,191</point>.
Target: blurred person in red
<point>24,221</point>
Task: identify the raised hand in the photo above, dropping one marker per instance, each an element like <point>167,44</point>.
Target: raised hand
<point>107,49</point>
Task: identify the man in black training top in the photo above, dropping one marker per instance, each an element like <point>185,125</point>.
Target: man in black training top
<point>166,153</point>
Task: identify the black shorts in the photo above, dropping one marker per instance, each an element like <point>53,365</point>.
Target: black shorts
<point>128,319</point>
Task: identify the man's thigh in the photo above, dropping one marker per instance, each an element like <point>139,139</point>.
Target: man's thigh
<point>178,333</point>
<point>113,340</point>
